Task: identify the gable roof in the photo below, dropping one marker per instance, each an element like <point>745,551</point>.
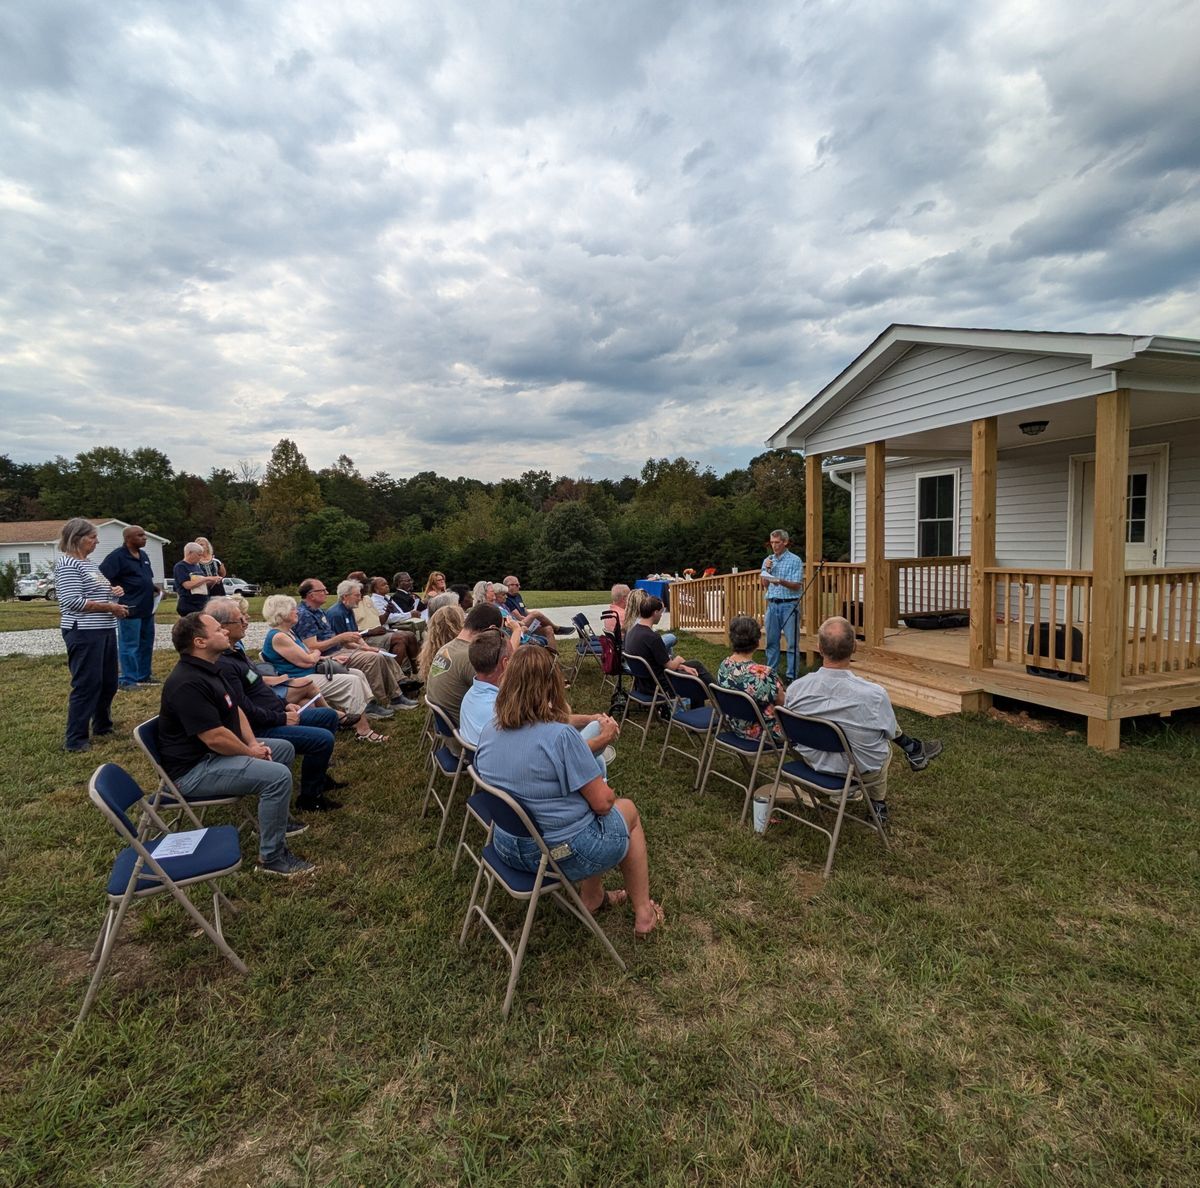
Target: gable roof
<point>47,531</point>
<point>1102,352</point>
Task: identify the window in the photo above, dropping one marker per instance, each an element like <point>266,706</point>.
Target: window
<point>937,499</point>
<point>1136,505</point>
<point>23,566</point>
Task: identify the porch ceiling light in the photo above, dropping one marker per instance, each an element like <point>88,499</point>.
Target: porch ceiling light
<point>1033,428</point>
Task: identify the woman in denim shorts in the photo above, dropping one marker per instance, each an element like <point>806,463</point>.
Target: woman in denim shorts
<point>533,753</point>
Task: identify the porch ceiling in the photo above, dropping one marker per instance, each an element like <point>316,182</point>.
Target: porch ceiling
<point>1068,421</point>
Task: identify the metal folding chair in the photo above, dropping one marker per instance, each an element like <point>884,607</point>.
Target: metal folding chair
<point>506,813</point>
<point>588,644</point>
<point>479,811</point>
<point>684,690</point>
<point>446,765</point>
<point>137,873</point>
<point>826,792</point>
<point>168,798</point>
<point>735,706</point>
<point>640,670</point>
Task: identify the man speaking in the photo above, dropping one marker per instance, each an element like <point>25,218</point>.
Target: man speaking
<point>782,576</point>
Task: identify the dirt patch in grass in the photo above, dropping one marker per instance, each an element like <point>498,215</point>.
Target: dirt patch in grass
<point>253,1161</point>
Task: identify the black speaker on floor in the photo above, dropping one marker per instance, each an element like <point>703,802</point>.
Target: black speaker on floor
<point>1039,635</point>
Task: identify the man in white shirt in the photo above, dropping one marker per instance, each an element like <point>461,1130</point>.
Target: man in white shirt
<point>861,708</point>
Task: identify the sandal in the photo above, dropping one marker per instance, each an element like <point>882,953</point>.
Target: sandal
<point>659,919</point>
<point>611,899</point>
<point>371,737</point>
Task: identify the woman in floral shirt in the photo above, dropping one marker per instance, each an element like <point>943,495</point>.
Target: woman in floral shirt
<point>741,672</point>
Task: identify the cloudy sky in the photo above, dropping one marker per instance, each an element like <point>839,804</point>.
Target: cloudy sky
<point>486,236</point>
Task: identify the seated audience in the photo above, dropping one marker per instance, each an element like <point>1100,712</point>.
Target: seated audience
<point>531,752</point>
<point>465,599</point>
<point>450,671</point>
<point>742,672</point>
<point>207,745</point>
<point>509,592</point>
<point>315,630</point>
<point>620,595</point>
<point>408,608</point>
<point>445,598</point>
<point>861,708</point>
<point>368,622</point>
<point>643,641</point>
<point>310,731</point>
<point>489,654</point>
<point>193,582</point>
<point>523,626</point>
<point>633,610</point>
<point>348,692</point>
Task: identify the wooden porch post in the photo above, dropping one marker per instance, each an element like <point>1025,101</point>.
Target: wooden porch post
<point>814,546</point>
<point>1108,561</point>
<point>875,593</point>
<point>983,542</point>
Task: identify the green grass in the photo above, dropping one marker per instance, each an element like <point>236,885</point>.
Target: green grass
<point>26,616</point>
<point>1008,996</point>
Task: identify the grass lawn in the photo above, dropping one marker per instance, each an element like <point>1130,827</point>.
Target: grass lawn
<point>1008,996</point>
<point>26,616</point>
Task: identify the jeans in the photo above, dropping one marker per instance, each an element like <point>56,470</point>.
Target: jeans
<point>314,744</point>
<point>239,775</point>
<point>92,659</point>
<point>135,646</point>
<point>598,846</point>
<point>782,619</point>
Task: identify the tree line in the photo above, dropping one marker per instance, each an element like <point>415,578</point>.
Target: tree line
<point>279,523</point>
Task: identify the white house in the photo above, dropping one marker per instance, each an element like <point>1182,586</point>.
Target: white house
<point>1046,484</point>
<point>32,545</point>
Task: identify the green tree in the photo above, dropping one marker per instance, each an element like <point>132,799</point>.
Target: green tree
<point>570,551</point>
<point>329,544</point>
<point>289,492</point>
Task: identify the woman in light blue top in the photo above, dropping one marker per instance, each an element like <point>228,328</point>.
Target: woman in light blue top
<point>88,614</point>
<point>533,753</point>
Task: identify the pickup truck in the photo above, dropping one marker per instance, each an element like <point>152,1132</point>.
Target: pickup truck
<point>233,585</point>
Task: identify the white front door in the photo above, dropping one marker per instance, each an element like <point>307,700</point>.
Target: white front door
<point>1145,509</point>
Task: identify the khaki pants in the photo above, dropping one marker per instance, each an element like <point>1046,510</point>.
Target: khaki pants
<point>382,672</point>
<point>348,692</point>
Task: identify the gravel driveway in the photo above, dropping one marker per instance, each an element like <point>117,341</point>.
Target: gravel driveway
<point>49,640</point>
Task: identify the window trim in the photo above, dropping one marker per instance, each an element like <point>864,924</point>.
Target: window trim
<point>24,564</point>
<point>955,472</point>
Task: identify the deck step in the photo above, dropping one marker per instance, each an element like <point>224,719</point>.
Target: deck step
<point>925,687</point>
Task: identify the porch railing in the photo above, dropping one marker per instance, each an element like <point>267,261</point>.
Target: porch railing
<point>1043,618</point>
<point>1163,607</point>
<point>929,585</point>
<point>707,604</point>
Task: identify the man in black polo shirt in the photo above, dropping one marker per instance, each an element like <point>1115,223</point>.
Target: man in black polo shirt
<point>643,641</point>
<point>129,567</point>
<point>207,745</point>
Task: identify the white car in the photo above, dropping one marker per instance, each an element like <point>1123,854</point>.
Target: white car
<point>36,585</point>
<point>235,585</point>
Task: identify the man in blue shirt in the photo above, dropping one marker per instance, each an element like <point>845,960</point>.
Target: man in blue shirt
<point>129,567</point>
<point>782,577</point>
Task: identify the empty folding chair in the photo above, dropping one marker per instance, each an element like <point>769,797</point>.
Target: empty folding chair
<point>587,645</point>
<point>138,873</point>
<point>640,669</point>
<point>446,764</point>
<point>168,798</point>
<point>825,791</point>
<point>507,814</point>
<point>735,706</point>
<point>696,723</point>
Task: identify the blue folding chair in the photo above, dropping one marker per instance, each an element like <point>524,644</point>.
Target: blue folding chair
<point>826,792</point>
<point>735,706</point>
<point>445,764</point>
<point>685,691</point>
<point>640,669</point>
<point>588,644</point>
<point>478,810</point>
<point>506,813</point>
<point>168,798</point>
<point>138,874</point>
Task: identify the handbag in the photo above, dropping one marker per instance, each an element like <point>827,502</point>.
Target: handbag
<point>328,668</point>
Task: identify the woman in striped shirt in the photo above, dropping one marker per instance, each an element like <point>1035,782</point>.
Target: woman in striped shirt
<point>88,618</point>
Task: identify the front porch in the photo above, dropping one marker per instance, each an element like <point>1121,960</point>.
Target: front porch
<point>1041,619</point>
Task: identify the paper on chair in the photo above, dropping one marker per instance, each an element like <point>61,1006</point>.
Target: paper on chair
<point>177,845</point>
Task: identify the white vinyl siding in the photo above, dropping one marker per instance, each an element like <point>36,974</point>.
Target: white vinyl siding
<point>932,387</point>
<point>1031,501</point>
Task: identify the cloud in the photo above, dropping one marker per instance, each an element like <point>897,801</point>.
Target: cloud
<point>562,235</point>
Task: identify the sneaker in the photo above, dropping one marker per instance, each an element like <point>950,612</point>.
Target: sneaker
<point>79,747</point>
<point>295,828</point>
<point>285,863</point>
<point>128,687</point>
<point>608,755</point>
<point>379,711</point>
<point>150,681</point>
<point>404,703</point>
<point>317,804</point>
<point>881,810</point>
<point>564,630</point>
<point>919,760</point>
